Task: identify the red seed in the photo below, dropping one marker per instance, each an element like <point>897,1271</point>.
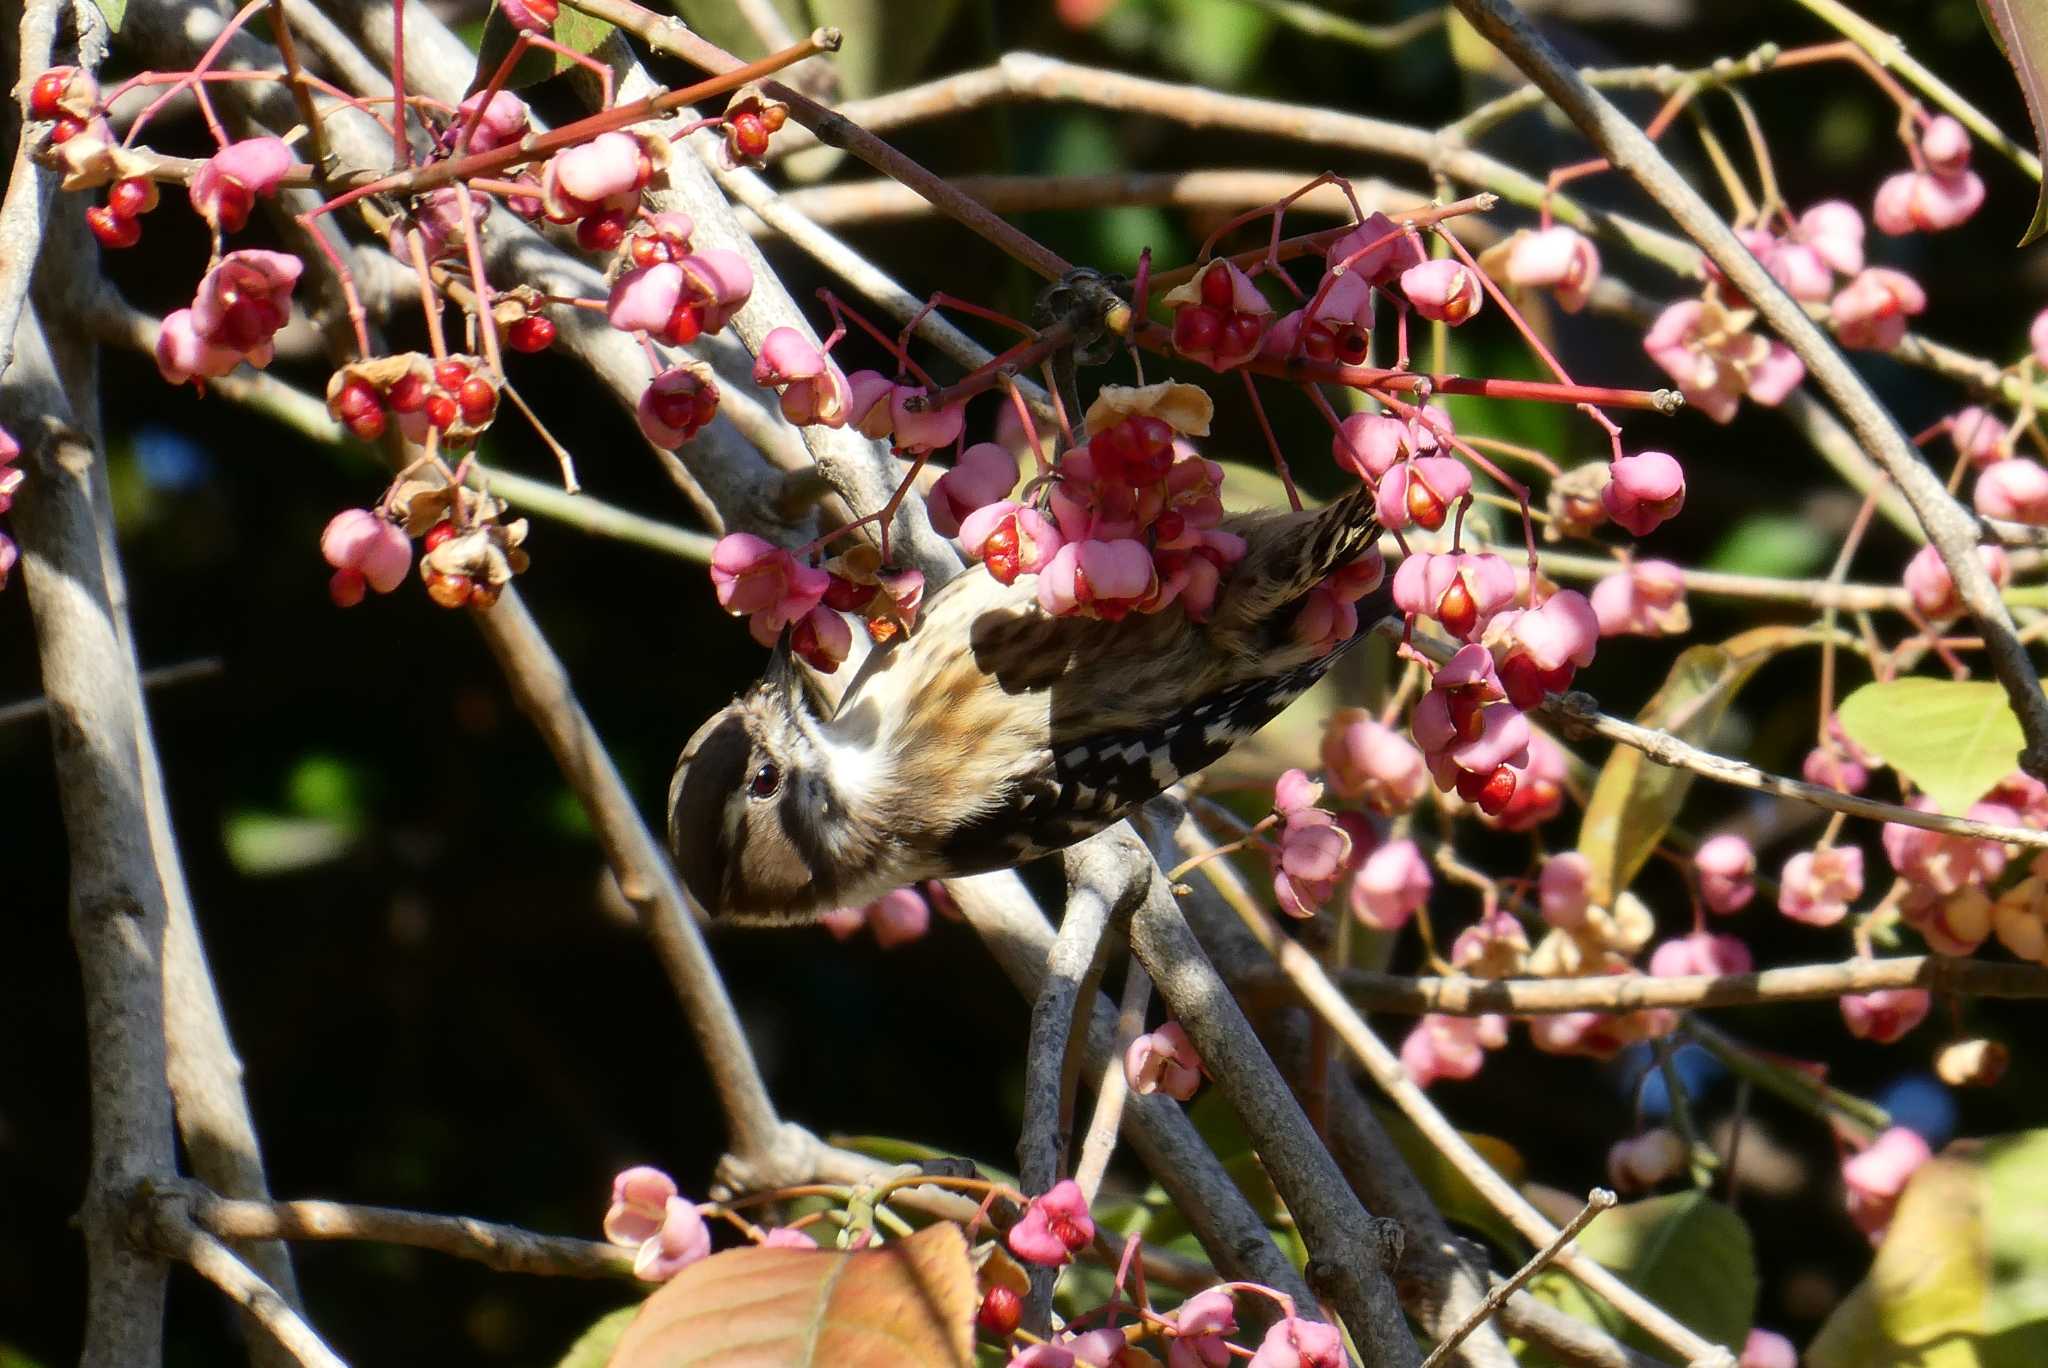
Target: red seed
<point>999,552</point>
<point>478,398</point>
<point>68,127</point>
<point>1497,791</point>
<point>1217,290</point>
<point>1170,525</point>
<point>356,398</point>
<point>346,588</point>
<point>1242,335</point>
<point>844,596</point>
<point>648,250</point>
<point>1001,1311</point>
<point>749,135</point>
<point>236,203</point>
<point>1457,611</point>
<point>437,534</point>
<point>1353,345</point>
<point>128,198</point>
<point>408,394</point>
<point>685,325</point>
<point>1318,343</point>
<point>1423,504</point>
<point>450,591</point>
<point>602,232</point>
<point>450,374</point>
<point>773,117</point>
<point>111,228</point>
<point>1150,454</point>
<point>1196,328</point>
<point>48,89</point>
<point>441,411</point>
<point>1467,709</point>
<point>532,333</point>
<point>368,425</point>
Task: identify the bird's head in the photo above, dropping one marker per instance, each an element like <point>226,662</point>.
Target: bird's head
<point>752,811</point>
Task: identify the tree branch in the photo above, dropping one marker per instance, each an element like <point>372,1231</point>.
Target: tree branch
<point>171,1230</point>
<point>1379,992</point>
<point>1949,526</point>
<point>1231,1231</point>
<point>508,1249</point>
<point>1351,1251</point>
<point>117,896</point>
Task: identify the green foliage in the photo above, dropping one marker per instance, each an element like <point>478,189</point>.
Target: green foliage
<point>593,1348</point>
<point>1962,1275</point>
<point>887,42</point>
<point>1451,1191</point>
<point>113,11</point>
<point>324,817</point>
<point>1775,544</point>
<point>1686,1252</point>
<point>1953,738</point>
<point>574,29</point>
<point>2021,28</point>
<point>1635,799</point>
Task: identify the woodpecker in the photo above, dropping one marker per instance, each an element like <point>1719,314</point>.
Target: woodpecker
<point>996,732</point>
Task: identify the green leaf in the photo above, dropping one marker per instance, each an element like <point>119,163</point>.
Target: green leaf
<point>1953,738</point>
<point>113,11</point>
<point>260,843</point>
<point>1451,1190</point>
<point>1687,1253</point>
<point>573,29</point>
<point>326,786</point>
<point>2021,28</point>
<point>593,1348</point>
<point>1774,544</point>
<point>1635,800</point>
<point>1962,1275</point>
<point>891,1150</point>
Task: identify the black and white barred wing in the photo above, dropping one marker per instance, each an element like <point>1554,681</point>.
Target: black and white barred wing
<point>1089,780</point>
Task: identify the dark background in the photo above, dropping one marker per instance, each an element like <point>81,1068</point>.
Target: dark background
<point>438,998</point>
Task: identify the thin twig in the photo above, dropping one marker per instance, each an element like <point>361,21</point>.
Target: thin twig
<point>508,1249</point>
<point>1324,998</point>
<point>172,1230</point>
<point>1597,1201</point>
<point>1950,527</point>
<point>1031,76</point>
<point>162,677</point>
<point>1462,996</point>
<point>869,202</point>
<point>1329,1215</point>
<point>781,213</point>
<point>1233,1234</point>
<point>1058,1041</point>
<point>1576,716</point>
<point>1887,51</point>
<point>1100,1141</point>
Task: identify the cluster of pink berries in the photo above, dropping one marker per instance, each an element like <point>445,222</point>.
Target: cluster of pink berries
<point>453,397</point>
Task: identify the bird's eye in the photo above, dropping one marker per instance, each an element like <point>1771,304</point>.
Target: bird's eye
<point>765,782</point>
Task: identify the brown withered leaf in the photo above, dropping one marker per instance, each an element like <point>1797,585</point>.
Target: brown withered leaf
<point>906,1305</point>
